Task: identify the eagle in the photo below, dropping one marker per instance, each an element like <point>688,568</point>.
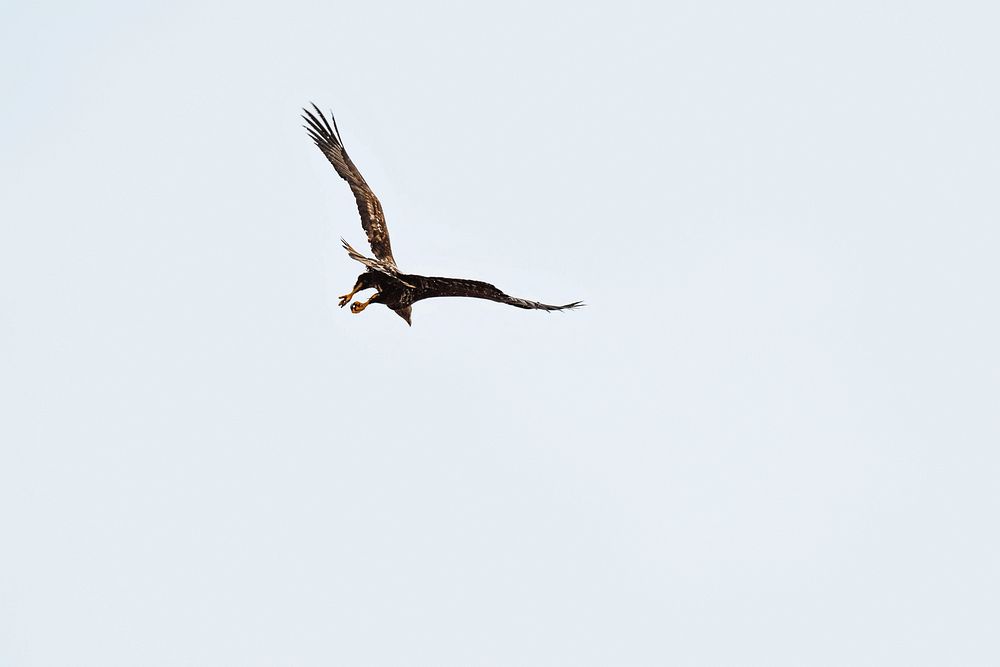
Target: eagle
<point>393,288</point>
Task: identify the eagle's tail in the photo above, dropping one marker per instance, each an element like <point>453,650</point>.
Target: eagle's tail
<point>358,257</point>
<point>374,264</point>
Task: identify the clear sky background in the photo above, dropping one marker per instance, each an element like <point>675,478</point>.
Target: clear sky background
<point>770,439</point>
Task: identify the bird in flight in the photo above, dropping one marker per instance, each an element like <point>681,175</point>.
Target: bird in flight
<point>393,288</point>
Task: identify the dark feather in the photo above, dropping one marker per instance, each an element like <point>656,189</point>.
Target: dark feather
<point>327,138</point>
<point>432,287</point>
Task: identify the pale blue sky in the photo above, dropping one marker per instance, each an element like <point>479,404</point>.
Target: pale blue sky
<point>771,438</point>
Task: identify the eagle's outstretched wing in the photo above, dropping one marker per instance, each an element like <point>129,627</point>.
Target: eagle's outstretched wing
<point>327,138</point>
<point>430,288</point>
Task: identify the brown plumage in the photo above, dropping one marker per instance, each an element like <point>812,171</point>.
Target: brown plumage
<point>372,218</point>
<point>395,289</point>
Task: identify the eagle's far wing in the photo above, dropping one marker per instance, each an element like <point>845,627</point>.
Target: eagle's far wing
<point>438,287</point>
<point>327,138</point>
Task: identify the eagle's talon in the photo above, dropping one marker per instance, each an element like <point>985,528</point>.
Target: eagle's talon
<point>345,298</point>
<point>358,306</point>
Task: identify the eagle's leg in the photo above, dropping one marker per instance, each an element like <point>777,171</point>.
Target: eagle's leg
<point>347,297</point>
<point>358,306</point>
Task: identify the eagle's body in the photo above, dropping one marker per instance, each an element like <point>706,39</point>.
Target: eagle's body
<point>393,288</point>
